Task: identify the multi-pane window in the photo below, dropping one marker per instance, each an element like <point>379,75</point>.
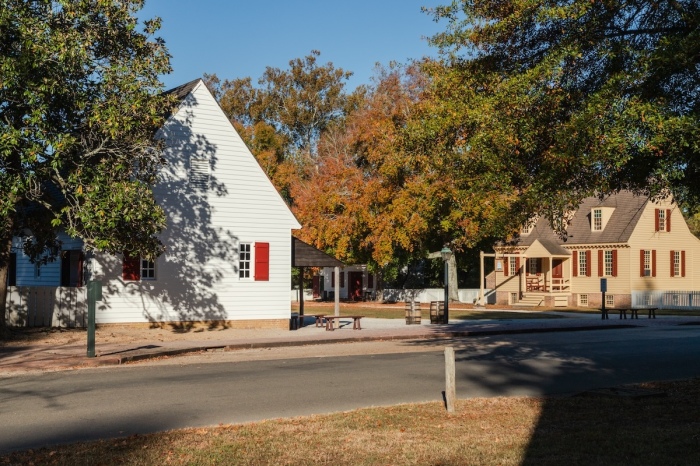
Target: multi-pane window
<point>513,266</point>
<point>582,263</point>
<point>148,269</point>
<point>676,263</point>
<point>244,260</point>
<point>583,300</point>
<point>608,263</point>
<point>610,300</point>
<point>533,264</point>
<point>647,263</point>
<point>597,219</point>
<point>662,219</point>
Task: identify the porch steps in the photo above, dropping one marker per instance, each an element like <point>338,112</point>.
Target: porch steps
<point>531,300</point>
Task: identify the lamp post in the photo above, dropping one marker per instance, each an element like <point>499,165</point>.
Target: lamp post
<point>446,254</point>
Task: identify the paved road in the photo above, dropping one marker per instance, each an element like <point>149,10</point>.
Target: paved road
<point>68,406</point>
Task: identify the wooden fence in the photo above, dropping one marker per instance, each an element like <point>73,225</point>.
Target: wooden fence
<point>46,306</point>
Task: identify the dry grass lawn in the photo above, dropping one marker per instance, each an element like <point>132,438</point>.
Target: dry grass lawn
<point>583,430</point>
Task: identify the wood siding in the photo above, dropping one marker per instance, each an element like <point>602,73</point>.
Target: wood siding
<point>197,277</point>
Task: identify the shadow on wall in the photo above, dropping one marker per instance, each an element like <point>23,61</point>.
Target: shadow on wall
<point>198,254</point>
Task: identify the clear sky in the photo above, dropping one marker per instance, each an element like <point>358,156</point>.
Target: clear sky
<point>236,38</point>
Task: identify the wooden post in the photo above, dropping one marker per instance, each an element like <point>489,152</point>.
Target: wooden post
<point>336,288</point>
<point>450,392</point>
<point>301,294</point>
<point>480,301</point>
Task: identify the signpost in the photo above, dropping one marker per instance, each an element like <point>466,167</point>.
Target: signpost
<point>603,289</point>
<point>94,294</point>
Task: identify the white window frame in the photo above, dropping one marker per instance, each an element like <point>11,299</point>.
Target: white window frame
<point>512,266</point>
<point>647,263</point>
<point>582,264</point>
<point>610,300</point>
<point>147,269</point>
<point>513,298</point>
<point>583,300</point>
<point>676,263</point>
<point>245,261</point>
<point>608,261</point>
<point>662,219</point>
<point>597,219</point>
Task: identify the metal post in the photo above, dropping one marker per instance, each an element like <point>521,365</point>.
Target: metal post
<point>480,301</point>
<point>447,294</point>
<point>301,294</point>
<point>94,294</point>
<point>336,287</point>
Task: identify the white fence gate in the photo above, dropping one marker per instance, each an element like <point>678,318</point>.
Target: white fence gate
<point>666,299</point>
<point>46,306</point>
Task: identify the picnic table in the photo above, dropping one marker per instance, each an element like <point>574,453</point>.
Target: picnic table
<point>634,313</point>
<point>355,321</point>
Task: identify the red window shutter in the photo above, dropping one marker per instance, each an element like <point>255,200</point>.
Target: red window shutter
<point>641,262</point>
<point>131,268</point>
<point>668,220</point>
<point>589,266</point>
<point>262,262</point>
<point>656,219</point>
<point>614,262</point>
<point>673,262</point>
<point>653,262</point>
<point>517,266</point>
<point>682,263</point>
<point>575,264</point>
<point>600,263</point>
<point>506,266</point>
<point>333,279</point>
<point>342,279</point>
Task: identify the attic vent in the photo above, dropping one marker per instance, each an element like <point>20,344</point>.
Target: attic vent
<point>199,173</point>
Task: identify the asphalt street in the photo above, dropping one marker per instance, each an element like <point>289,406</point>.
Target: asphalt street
<point>61,407</point>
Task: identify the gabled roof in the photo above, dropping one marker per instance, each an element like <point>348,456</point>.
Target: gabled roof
<point>628,210</point>
<point>305,255</point>
<point>181,91</point>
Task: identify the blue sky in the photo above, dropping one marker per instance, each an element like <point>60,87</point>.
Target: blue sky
<point>235,38</point>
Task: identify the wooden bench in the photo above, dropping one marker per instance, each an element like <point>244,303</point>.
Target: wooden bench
<point>532,284</point>
<point>319,319</point>
<point>355,321</point>
<point>634,313</point>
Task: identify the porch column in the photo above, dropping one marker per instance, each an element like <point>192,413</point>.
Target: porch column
<point>336,287</point>
<point>480,301</point>
<point>551,275</point>
<point>301,291</point>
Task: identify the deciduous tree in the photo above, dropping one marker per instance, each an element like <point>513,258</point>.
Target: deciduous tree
<point>79,105</point>
<point>573,98</point>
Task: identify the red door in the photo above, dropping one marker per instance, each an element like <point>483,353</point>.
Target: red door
<point>355,286</point>
<point>557,268</point>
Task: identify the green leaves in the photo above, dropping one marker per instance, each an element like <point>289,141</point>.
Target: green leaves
<point>79,105</point>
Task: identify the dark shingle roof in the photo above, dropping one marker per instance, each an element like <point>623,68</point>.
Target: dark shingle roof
<point>180,92</point>
<point>628,209</point>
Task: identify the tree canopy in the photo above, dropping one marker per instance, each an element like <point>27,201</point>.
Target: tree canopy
<point>567,99</point>
<point>80,102</point>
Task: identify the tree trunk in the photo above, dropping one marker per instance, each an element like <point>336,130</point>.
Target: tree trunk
<point>5,249</point>
<point>452,279</point>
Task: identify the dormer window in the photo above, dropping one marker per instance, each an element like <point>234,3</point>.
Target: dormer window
<point>600,216</point>
<point>526,229</point>
<point>597,219</point>
<point>662,220</point>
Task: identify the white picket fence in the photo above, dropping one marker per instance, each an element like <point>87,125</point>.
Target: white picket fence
<point>46,306</point>
<point>426,295</point>
<point>666,299</point>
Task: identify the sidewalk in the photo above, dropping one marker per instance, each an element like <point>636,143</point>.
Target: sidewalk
<point>22,358</point>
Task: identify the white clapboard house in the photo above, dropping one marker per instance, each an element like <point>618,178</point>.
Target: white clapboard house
<point>228,241</point>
